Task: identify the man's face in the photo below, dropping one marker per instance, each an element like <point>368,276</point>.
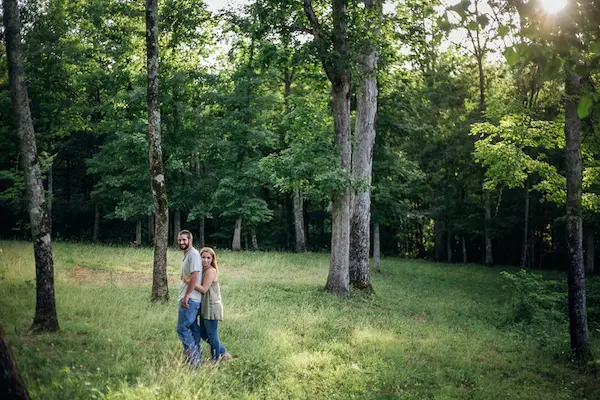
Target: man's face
<point>184,242</point>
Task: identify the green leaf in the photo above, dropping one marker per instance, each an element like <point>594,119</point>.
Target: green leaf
<point>585,106</point>
<point>503,30</point>
<point>483,21</point>
<point>512,58</point>
<point>473,26</point>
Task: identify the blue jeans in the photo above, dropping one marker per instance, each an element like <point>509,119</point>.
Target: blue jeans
<point>189,332</point>
<point>209,331</point>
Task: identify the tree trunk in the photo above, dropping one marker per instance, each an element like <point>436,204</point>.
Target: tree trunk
<point>176,227</point>
<point>96,234</point>
<point>590,253</point>
<point>11,384</point>
<point>489,260</point>
<point>201,223</point>
<point>376,247</point>
<point>236,245</point>
<point>50,196</point>
<point>336,66</point>
<point>160,291</point>
<point>438,227</point>
<point>577,301</point>
<point>525,247</point>
<point>254,240</point>
<point>449,245</point>
<point>338,277</point>
<point>138,233</point>
<point>299,221</point>
<point>464,250</point>
<point>151,229</point>
<point>362,159</point>
<point>45,318</point>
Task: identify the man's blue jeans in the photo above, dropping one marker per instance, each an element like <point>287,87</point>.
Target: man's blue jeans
<point>189,332</point>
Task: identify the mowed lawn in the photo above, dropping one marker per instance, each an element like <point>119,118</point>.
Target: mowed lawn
<point>431,331</point>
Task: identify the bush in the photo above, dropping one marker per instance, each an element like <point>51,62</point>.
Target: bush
<point>592,291</point>
<point>538,306</point>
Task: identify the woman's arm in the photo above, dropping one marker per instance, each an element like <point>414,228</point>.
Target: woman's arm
<point>209,277</point>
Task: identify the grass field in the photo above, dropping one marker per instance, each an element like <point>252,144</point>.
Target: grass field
<point>431,331</point>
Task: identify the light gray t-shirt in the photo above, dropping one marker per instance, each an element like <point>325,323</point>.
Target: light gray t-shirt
<point>191,262</point>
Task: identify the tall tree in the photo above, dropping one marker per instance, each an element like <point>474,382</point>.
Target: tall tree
<point>157,172</point>
<point>45,318</point>
<point>577,300</point>
<point>336,65</point>
<point>362,160</point>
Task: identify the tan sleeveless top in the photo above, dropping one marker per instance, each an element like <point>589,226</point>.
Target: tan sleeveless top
<point>211,306</point>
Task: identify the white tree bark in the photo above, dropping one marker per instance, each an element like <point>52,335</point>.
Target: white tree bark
<point>45,318</point>
<point>376,247</point>
<point>138,233</point>
<point>236,244</point>
<point>299,221</point>
<point>160,289</point>
<point>576,281</point>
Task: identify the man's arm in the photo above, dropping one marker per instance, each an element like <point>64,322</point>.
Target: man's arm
<point>195,268</point>
<point>189,289</point>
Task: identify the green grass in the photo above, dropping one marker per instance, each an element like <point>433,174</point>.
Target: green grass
<point>432,331</point>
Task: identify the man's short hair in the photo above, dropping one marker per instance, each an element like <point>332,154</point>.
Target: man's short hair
<point>186,233</point>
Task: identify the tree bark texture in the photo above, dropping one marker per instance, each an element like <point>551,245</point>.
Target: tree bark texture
<point>176,226</point>
<point>11,384</point>
<point>50,196</point>
<point>590,253</point>
<point>254,240</point>
<point>160,290</point>
<point>489,259</point>
<point>338,277</point>
<point>299,221</point>
<point>376,248</point>
<point>138,233</point>
<point>576,281</point>
<point>45,318</point>
<point>236,244</point>
<point>201,232</point>
<point>362,157</point>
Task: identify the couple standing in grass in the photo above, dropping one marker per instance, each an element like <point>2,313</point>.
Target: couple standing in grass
<point>200,308</point>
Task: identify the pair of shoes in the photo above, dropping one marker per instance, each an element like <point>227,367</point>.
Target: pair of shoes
<point>226,356</point>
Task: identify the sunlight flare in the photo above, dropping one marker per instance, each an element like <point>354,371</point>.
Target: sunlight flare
<point>553,6</point>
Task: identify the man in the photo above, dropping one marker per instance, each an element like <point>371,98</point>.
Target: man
<point>189,299</point>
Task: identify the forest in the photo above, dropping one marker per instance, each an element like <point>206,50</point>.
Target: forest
<point>468,163</point>
<point>410,142</point>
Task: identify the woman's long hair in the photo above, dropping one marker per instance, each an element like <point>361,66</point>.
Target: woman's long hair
<point>214,257</point>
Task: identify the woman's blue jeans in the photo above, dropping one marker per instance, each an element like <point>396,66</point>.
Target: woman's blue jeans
<point>209,331</point>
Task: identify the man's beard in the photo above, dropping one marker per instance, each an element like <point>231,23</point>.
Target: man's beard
<point>184,246</point>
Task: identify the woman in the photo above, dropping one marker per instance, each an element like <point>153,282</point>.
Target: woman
<point>211,308</point>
